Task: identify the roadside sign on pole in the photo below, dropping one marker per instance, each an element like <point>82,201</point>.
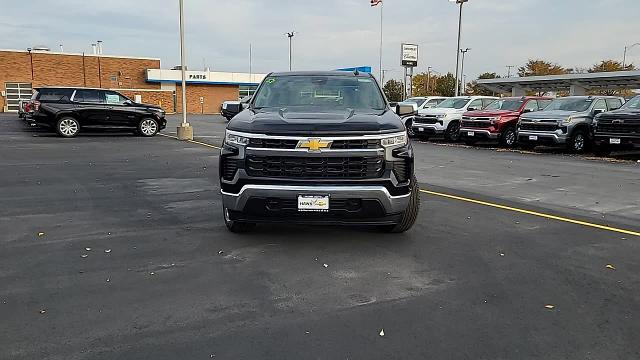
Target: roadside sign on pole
<point>409,55</point>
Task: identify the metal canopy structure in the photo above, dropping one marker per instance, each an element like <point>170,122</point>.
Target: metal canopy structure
<point>576,84</point>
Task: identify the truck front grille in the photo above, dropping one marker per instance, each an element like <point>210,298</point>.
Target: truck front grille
<point>618,128</point>
<point>476,124</point>
<point>352,144</point>
<point>538,126</point>
<point>309,167</point>
<point>425,120</point>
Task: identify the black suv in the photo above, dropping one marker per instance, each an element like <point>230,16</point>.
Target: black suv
<point>68,110</point>
<point>617,128</point>
<point>321,148</point>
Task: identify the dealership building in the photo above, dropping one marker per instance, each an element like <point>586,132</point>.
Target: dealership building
<point>141,79</point>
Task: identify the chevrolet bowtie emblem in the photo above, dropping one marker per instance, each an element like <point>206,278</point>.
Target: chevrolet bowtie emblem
<point>314,144</point>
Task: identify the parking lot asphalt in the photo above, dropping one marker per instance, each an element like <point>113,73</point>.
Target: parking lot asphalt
<point>113,247</point>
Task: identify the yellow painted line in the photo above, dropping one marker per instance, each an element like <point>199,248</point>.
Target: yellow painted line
<point>534,213</point>
<point>191,141</point>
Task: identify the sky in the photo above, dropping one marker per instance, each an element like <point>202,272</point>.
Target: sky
<point>332,34</point>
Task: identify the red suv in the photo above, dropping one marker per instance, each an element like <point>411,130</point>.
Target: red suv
<point>498,121</point>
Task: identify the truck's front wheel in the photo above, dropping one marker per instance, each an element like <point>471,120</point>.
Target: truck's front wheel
<point>410,214</point>
<point>236,226</point>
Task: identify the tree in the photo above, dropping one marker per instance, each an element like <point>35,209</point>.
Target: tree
<point>445,85</point>
<point>541,67</point>
<point>393,89</point>
<point>474,89</point>
<point>608,66</point>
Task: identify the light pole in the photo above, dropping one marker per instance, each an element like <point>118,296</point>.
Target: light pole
<point>509,67</point>
<point>464,52</point>
<point>290,35</point>
<point>428,78</point>
<point>461,2</point>
<point>185,131</point>
<point>624,59</point>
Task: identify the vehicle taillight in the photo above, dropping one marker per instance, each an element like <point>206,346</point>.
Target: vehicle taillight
<point>36,105</point>
<point>27,107</point>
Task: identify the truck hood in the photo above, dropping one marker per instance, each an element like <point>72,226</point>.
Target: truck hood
<point>285,122</point>
<point>439,111</point>
<point>549,115</point>
<point>491,113</point>
<point>621,114</point>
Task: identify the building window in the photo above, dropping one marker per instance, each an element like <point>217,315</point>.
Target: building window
<point>247,90</point>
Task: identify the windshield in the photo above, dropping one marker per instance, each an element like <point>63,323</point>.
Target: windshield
<point>633,104</point>
<point>417,101</point>
<point>320,92</point>
<point>455,103</point>
<point>570,104</point>
<point>506,104</point>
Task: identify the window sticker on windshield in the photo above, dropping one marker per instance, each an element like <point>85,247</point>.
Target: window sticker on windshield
<point>270,80</point>
<point>113,99</point>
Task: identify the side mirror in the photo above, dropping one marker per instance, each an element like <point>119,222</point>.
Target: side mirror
<point>471,108</point>
<point>598,111</point>
<point>406,109</point>
<point>127,103</point>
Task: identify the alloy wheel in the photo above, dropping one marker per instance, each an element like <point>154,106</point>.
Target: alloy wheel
<point>148,127</point>
<point>68,127</point>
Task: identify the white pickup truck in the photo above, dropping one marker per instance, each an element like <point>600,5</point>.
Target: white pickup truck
<point>444,118</point>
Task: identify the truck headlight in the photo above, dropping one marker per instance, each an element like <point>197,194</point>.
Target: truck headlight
<point>235,139</point>
<point>494,120</point>
<point>568,120</point>
<point>396,140</point>
<point>441,116</point>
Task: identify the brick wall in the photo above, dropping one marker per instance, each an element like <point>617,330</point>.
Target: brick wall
<point>55,69</point>
<point>214,96</point>
<point>162,98</point>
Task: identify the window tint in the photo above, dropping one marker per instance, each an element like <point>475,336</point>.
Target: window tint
<point>113,98</point>
<point>55,94</point>
<point>486,102</point>
<point>432,103</point>
<point>614,104</point>
<point>88,96</point>
<point>532,105</point>
<point>544,103</point>
<point>600,105</point>
<point>476,104</point>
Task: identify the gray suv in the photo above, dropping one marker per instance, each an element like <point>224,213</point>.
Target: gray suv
<point>565,121</point>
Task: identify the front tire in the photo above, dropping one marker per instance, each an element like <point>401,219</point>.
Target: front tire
<point>67,127</point>
<point>236,226</point>
<point>453,132</point>
<point>578,142</point>
<point>509,138</point>
<point>148,127</point>
<point>410,214</point>
<point>409,125</point>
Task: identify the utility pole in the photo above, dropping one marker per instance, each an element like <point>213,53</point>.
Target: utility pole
<point>290,35</point>
<point>460,2</point>
<point>185,131</point>
<point>464,52</point>
<point>509,67</point>
<point>624,59</point>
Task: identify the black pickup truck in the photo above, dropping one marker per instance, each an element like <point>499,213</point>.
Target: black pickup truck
<point>319,148</point>
<point>618,128</point>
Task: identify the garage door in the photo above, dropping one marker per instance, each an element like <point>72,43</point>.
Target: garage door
<point>15,93</point>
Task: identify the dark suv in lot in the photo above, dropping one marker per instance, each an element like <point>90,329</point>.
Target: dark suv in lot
<point>69,110</point>
<point>617,128</point>
<point>319,148</point>
<point>499,120</point>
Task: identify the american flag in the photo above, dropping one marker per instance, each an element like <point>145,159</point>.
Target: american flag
<point>375,2</point>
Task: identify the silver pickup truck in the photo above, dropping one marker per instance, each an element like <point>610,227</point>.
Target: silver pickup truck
<point>566,121</point>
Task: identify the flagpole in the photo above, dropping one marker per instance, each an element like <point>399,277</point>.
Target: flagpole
<point>381,7</point>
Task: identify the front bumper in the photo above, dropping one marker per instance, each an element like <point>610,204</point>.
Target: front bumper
<point>427,129</point>
<point>542,137</point>
<point>607,139</point>
<point>478,134</point>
